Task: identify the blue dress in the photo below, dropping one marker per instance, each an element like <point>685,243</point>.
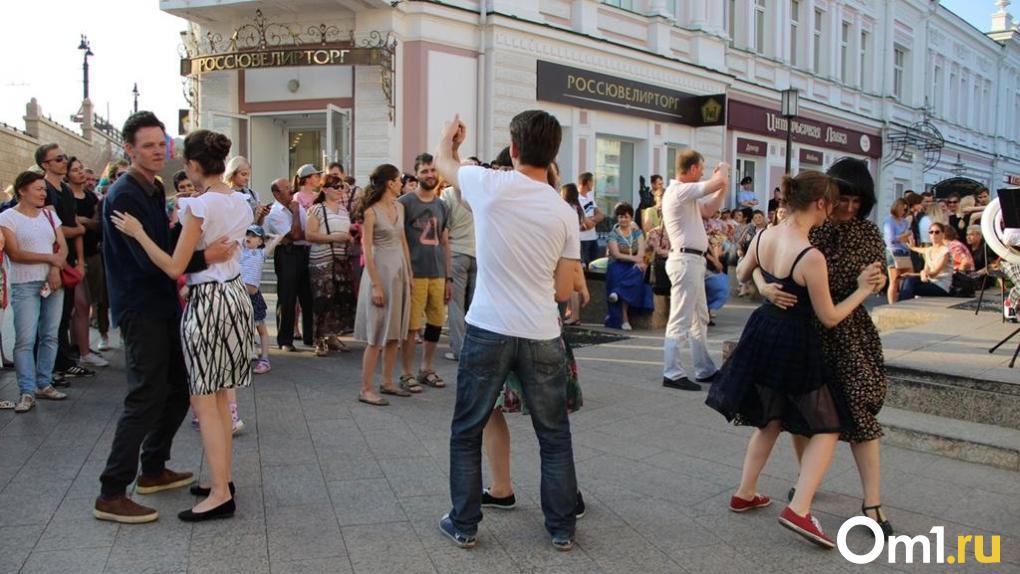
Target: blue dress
<point>626,280</point>
<point>777,370</point>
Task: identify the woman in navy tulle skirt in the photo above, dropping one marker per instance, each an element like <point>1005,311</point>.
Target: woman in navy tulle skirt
<point>776,378</point>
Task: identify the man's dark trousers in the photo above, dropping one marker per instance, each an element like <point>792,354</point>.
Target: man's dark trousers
<point>156,402</point>
<point>293,284</point>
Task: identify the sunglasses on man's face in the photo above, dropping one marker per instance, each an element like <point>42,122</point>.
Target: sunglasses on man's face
<point>952,202</point>
<point>60,159</point>
<point>934,232</point>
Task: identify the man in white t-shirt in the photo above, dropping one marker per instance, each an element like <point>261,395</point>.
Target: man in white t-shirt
<point>528,251</point>
<point>746,196</point>
<point>685,203</point>
<point>593,215</point>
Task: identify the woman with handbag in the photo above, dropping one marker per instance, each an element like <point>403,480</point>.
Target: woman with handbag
<point>37,250</point>
<point>328,230</point>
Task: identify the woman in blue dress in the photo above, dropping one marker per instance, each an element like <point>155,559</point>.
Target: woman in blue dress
<point>626,289</point>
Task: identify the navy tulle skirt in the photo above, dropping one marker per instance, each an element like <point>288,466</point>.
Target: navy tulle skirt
<point>778,372</point>
<point>628,282</point>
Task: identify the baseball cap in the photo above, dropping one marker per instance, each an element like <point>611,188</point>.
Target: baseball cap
<point>307,170</point>
<point>256,230</point>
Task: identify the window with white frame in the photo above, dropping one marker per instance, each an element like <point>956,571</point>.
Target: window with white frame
<point>759,26</point>
<point>936,87</point>
<point>975,109</point>
<point>794,31</point>
<point>899,70</point>
<point>844,52</point>
<point>865,69</point>
<point>731,19</point>
<point>964,118</point>
<point>625,4</point>
<point>817,36</point>
<point>986,99</point>
<point>953,98</point>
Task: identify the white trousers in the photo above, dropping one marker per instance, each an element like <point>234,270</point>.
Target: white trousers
<point>688,317</point>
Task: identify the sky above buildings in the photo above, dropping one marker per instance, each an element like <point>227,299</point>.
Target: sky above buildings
<point>133,41</point>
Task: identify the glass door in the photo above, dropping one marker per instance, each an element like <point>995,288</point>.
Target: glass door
<point>614,177</point>
<point>338,138</point>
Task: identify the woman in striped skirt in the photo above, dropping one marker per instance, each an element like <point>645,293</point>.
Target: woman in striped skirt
<point>216,331</point>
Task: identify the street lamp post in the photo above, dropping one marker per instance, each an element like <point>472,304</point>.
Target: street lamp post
<point>87,51</point>
<point>135,92</point>
<point>790,103</point>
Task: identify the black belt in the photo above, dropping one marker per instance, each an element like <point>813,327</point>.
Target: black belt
<point>688,250</point>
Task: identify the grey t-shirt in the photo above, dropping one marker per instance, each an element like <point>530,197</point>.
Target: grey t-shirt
<point>424,223</point>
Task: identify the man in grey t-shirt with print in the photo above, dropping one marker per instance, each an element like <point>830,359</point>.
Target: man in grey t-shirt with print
<point>426,221</point>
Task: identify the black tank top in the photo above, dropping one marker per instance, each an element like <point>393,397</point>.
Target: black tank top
<point>803,304</point>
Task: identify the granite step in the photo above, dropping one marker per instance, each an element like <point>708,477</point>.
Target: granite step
<point>963,440</point>
<point>979,401</point>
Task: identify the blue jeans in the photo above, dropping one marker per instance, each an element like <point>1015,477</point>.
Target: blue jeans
<point>485,361</point>
<point>35,317</point>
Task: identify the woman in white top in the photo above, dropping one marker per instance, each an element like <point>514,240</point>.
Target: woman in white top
<point>216,330</point>
<point>937,275</point>
<point>29,235</point>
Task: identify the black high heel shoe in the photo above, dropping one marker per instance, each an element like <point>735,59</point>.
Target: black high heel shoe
<point>886,527</point>
<point>197,490</point>
<point>225,510</point>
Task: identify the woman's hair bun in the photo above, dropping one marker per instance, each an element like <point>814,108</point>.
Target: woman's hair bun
<point>218,144</point>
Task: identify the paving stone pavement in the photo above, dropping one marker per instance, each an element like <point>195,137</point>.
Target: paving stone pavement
<point>326,484</point>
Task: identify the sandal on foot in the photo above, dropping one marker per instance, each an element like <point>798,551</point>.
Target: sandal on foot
<point>887,528</point>
<point>431,379</point>
<point>409,383</point>
<point>380,402</point>
<point>6,405</point>
<point>395,391</point>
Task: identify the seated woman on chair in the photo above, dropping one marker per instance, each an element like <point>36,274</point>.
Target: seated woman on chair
<point>936,277</point>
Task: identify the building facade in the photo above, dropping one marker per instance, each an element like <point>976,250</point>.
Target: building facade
<point>366,82</point>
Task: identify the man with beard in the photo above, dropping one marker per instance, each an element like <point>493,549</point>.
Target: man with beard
<point>426,220</point>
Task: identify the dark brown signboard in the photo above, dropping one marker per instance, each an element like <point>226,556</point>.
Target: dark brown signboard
<point>758,120</point>
<point>752,147</point>
<point>283,57</point>
<point>810,156</point>
<point>592,90</point>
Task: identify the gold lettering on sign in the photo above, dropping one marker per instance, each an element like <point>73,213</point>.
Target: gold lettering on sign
<point>281,58</point>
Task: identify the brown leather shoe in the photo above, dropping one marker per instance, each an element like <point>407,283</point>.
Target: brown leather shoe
<point>124,510</point>
<point>167,480</point>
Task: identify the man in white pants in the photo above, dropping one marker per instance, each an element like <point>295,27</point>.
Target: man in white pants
<point>686,201</point>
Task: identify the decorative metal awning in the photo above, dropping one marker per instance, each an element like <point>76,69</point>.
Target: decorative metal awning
<point>264,44</point>
<point>923,136</point>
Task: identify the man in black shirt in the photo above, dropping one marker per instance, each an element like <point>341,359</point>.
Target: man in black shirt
<point>143,301</point>
<point>54,163</point>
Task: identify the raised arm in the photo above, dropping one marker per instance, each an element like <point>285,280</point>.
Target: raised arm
<point>447,158</point>
<point>715,190</point>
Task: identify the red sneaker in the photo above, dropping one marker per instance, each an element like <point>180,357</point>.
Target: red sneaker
<point>740,505</point>
<point>806,526</point>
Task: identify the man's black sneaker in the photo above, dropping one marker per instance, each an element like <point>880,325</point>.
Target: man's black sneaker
<point>76,371</point>
<point>683,383</point>
<point>709,379</point>
<point>60,381</point>
<point>461,540</point>
<point>579,509</point>
<point>504,503</point>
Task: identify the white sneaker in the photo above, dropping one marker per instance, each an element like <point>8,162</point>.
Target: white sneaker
<point>449,356</point>
<point>626,327</point>
<point>93,360</point>
<point>104,344</point>
<point>613,297</point>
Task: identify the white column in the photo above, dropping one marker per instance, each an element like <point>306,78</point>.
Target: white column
<point>584,17</point>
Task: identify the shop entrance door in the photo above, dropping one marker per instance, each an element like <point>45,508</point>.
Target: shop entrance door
<point>614,177</point>
<point>338,138</point>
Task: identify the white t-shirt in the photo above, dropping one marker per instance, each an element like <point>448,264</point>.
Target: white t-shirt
<point>34,235</point>
<point>222,214</point>
<point>588,205</point>
<point>522,230</point>
<point>681,214</point>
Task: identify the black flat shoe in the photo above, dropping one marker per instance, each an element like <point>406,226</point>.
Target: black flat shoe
<point>225,510</point>
<point>887,528</point>
<point>197,490</point>
<point>683,384</point>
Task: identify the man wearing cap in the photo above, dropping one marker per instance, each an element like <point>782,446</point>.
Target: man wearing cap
<point>290,260</point>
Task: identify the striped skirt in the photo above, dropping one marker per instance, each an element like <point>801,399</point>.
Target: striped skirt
<point>217,336</point>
